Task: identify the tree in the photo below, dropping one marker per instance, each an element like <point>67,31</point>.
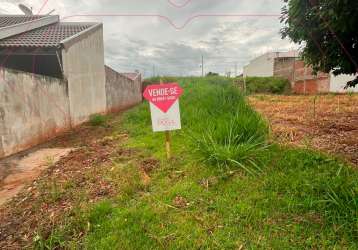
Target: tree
<point>327,31</point>
<point>212,74</point>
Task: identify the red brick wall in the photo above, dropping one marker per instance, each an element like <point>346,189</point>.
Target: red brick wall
<point>310,88</point>
<point>306,82</point>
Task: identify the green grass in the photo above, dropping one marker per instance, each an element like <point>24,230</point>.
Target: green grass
<point>268,85</point>
<point>98,120</point>
<point>238,191</point>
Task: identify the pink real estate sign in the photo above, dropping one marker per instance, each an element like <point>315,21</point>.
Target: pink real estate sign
<point>164,106</point>
<point>163,96</point>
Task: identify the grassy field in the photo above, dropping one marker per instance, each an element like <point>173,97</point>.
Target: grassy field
<point>228,186</point>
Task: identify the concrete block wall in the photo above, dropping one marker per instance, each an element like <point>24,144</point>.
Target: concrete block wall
<point>283,67</point>
<point>121,91</point>
<point>33,109</point>
<point>36,108</point>
<point>262,66</point>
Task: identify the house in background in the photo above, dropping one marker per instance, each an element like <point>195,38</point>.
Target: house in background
<point>272,64</point>
<point>72,51</point>
<point>53,78</point>
<point>303,81</point>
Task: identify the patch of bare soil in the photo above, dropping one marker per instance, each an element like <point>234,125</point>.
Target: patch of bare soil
<point>78,177</point>
<point>326,122</point>
<point>180,202</point>
<point>148,165</point>
<point>21,170</point>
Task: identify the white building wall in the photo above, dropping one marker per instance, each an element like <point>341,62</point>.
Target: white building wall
<point>262,66</point>
<point>83,64</point>
<point>337,83</point>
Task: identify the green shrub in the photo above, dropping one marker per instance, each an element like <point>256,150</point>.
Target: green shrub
<point>268,85</point>
<point>97,120</point>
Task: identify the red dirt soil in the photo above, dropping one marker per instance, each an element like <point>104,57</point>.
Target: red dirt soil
<point>327,122</point>
<point>41,204</point>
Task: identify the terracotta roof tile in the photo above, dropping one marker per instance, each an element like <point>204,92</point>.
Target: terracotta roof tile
<point>47,36</point>
<point>6,21</point>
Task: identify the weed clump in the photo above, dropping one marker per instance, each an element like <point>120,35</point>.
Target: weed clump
<point>225,130</point>
<point>97,120</point>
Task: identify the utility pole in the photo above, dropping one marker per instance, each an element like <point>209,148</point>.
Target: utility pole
<point>235,69</point>
<point>202,65</point>
<point>153,70</point>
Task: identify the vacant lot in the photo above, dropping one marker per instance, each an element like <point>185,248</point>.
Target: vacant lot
<point>227,186</point>
<point>327,122</point>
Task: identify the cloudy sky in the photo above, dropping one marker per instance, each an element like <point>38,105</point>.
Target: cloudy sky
<point>169,37</point>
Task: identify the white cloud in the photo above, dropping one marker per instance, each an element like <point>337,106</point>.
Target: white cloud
<point>140,42</point>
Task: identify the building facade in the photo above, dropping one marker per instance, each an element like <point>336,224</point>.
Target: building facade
<point>271,64</point>
<point>303,79</point>
<point>53,78</point>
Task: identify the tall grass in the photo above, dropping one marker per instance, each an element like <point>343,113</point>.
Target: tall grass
<point>228,133</point>
<point>341,207</point>
<point>302,200</point>
<point>225,130</point>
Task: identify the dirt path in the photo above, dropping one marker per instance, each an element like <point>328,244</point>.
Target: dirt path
<point>331,125</point>
<point>21,169</point>
<point>53,179</point>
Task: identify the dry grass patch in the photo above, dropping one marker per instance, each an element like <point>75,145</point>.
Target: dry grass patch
<point>331,124</point>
